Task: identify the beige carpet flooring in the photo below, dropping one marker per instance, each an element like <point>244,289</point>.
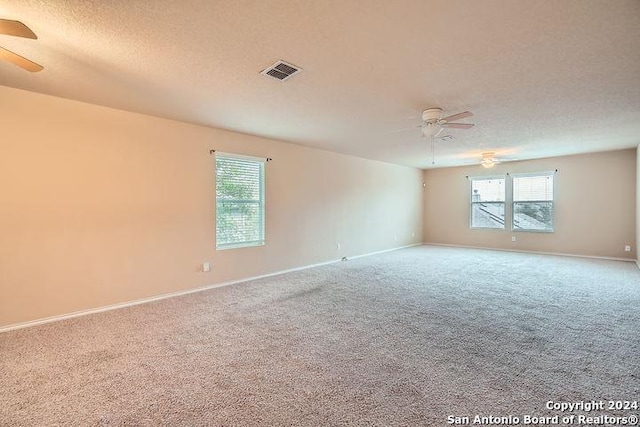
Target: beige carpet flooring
<point>404,338</point>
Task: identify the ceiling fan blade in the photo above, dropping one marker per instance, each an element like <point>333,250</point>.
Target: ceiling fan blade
<point>458,116</point>
<point>20,61</point>
<point>458,125</point>
<point>16,28</point>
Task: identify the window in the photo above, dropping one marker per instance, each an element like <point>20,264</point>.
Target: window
<point>533,202</point>
<point>487,202</point>
<point>239,201</point>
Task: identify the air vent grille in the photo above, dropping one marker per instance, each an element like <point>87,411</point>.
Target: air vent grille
<point>281,71</point>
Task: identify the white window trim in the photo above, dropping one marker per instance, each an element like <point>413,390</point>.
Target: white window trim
<point>241,156</point>
<point>470,195</point>
<point>512,202</point>
<point>509,203</point>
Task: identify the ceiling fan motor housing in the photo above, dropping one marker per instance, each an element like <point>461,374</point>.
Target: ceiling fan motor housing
<point>432,114</point>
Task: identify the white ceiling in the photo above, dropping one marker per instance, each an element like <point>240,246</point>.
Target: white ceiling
<point>542,77</point>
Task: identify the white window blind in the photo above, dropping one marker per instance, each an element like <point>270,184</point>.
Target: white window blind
<point>239,201</point>
<point>533,197</point>
<point>488,202</point>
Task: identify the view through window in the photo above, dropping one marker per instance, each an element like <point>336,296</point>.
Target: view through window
<point>487,202</point>
<point>533,202</point>
<point>239,202</point>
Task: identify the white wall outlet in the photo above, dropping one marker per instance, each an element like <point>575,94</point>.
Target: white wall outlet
<point>395,237</point>
<point>338,245</point>
<point>206,267</point>
<point>413,234</point>
<point>627,248</point>
<point>513,238</point>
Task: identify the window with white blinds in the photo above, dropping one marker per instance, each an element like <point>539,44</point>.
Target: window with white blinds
<point>488,202</point>
<point>239,201</point>
<point>533,202</point>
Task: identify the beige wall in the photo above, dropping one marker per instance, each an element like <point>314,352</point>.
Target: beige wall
<point>595,206</point>
<point>100,206</point>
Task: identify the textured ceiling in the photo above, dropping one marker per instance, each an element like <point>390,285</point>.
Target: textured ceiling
<point>543,78</point>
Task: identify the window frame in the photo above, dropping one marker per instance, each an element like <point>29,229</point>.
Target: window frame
<point>513,202</point>
<point>471,202</point>
<point>261,201</point>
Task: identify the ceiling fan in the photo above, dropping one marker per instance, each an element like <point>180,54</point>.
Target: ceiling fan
<point>489,159</point>
<point>18,29</point>
<point>433,123</point>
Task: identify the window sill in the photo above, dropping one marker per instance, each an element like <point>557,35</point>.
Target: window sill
<point>239,246</point>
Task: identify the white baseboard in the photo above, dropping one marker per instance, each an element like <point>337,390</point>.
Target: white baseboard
<point>79,313</point>
<point>533,252</point>
<point>385,250</point>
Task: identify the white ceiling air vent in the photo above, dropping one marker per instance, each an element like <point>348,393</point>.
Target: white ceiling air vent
<point>281,71</point>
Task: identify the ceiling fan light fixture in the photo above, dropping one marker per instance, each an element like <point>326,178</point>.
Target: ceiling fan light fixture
<point>488,161</point>
<point>430,129</point>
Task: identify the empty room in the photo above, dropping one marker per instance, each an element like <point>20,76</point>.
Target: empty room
<point>319,213</point>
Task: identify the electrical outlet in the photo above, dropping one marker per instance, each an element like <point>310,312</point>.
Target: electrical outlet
<point>627,248</point>
<point>338,246</point>
<point>513,238</point>
<point>413,234</point>
<point>206,267</point>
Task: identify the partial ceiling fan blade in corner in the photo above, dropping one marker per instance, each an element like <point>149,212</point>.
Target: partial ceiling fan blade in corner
<point>16,28</point>
<point>458,116</point>
<point>458,125</point>
<point>20,61</point>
